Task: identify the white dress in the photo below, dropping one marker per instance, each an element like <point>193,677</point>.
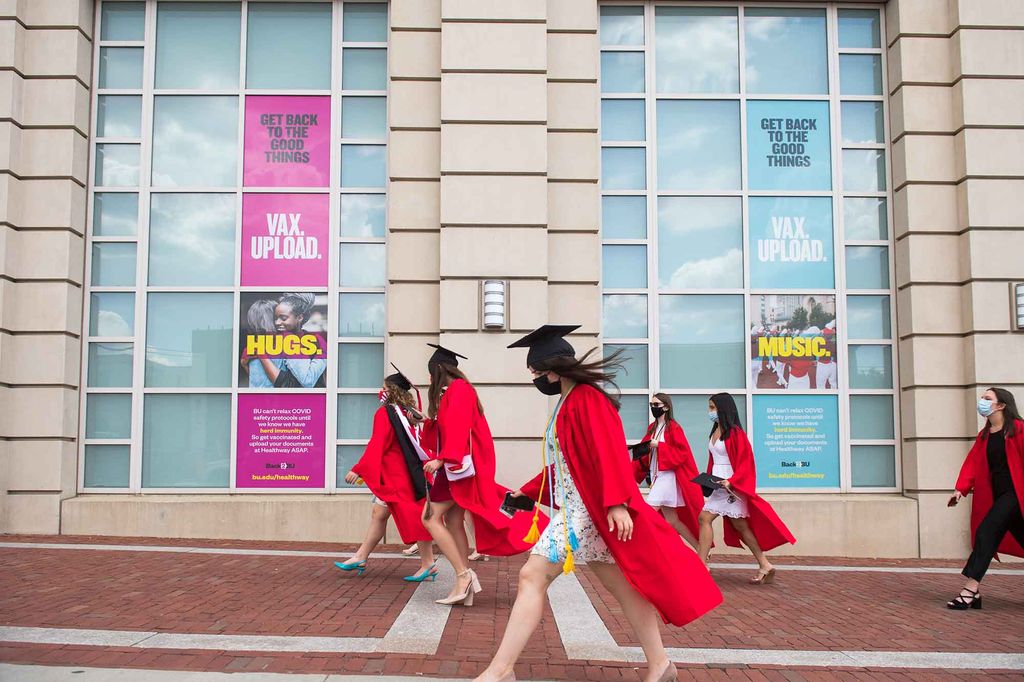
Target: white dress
<point>664,489</point>
<point>722,501</point>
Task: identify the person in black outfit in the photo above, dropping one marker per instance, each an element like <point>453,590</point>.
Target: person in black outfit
<point>994,472</point>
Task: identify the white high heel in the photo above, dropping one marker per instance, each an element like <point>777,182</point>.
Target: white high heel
<point>466,598</point>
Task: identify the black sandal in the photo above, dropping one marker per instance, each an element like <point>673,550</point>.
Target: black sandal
<point>962,602</point>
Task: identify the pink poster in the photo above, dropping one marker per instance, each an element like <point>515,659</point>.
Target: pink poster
<point>285,239</point>
<point>287,141</point>
<point>281,440</point>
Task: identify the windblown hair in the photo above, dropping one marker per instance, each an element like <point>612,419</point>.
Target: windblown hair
<point>597,373</point>
<point>1010,413</point>
<point>442,374</point>
<point>397,396</point>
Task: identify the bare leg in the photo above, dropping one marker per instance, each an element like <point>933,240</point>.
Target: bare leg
<point>374,534</point>
<point>426,554</point>
<point>707,534</point>
<point>447,544</point>
<point>455,519</point>
<point>673,520</point>
<point>747,536</point>
<point>534,578</point>
<point>642,615</point>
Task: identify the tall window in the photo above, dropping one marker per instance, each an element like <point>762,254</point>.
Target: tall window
<point>235,306</point>
<point>745,230</point>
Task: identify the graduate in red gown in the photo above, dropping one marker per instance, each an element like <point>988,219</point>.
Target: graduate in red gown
<point>751,520</point>
<point>463,466</point>
<point>392,470</point>
<point>599,516</point>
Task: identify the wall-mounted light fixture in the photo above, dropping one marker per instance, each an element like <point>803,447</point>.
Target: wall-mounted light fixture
<point>494,296</point>
<point>1017,305</point>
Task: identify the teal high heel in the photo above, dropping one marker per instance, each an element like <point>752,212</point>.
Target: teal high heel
<point>358,566</point>
<point>430,572</point>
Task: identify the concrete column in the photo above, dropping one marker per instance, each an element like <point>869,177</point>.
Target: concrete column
<point>45,52</point>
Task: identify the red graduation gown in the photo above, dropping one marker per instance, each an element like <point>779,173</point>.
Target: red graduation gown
<point>675,455</point>
<point>383,469</point>
<point>975,477</point>
<point>655,561</point>
<point>459,421</point>
<point>768,528</point>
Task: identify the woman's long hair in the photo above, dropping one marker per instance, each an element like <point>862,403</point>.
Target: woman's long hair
<point>596,373</point>
<point>670,415</point>
<point>1010,413</point>
<point>398,396</point>
<point>442,374</point>
<point>728,415</point>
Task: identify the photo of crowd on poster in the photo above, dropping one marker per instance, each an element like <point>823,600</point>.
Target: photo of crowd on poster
<point>283,343</point>
<point>793,342</point>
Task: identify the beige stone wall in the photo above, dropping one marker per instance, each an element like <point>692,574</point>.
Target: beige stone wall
<point>958,170</point>
<point>45,57</point>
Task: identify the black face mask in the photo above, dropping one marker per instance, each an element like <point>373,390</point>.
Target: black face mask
<point>547,387</point>
<point>657,411</point>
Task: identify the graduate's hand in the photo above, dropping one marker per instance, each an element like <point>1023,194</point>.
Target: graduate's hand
<point>725,484</point>
<point>517,493</point>
<point>620,522</point>
<point>956,497</point>
<point>351,478</point>
<point>432,466</point>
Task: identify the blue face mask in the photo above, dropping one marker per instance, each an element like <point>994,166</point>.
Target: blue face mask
<point>985,407</point>
<point>713,416</point>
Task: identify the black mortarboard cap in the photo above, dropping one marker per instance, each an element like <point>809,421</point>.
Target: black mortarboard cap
<point>445,356</point>
<point>547,342</point>
<point>399,379</point>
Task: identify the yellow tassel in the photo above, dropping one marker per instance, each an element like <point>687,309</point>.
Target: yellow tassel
<point>534,534</point>
<point>569,564</point>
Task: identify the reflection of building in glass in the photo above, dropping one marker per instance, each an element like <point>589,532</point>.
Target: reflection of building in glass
<point>777,311</point>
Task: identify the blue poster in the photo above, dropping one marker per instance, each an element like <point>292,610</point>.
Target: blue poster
<point>791,243</point>
<point>796,441</point>
<point>788,145</point>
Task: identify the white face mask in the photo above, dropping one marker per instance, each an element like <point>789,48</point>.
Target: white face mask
<point>985,407</point>
<point>713,416</point>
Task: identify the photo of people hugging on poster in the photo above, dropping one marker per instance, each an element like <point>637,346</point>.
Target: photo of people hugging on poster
<point>283,342</point>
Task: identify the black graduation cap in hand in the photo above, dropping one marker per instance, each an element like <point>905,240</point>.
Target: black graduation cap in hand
<point>444,356</point>
<point>640,449</point>
<point>399,379</point>
<point>547,342</point>
<point>708,483</point>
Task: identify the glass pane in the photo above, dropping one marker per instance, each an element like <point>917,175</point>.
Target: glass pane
<point>355,414</point>
<point>863,170</point>
<point>106,466</point>
<point>624,316</point>
<point>362,265</point>
<point>195,141</point>
<point>873,466</point>
<point>867,267</point>
<point>110,365</point>
<point>635,371</point>
<point>120,67</point>
<point>622,25</point>
<point>364,117</point>
<point>691,411</point>
<point>118,116</point>
<point>789,145</point>
<point>859,28</point>
<point>870,366</point>
<point>623,168</point>
<point>364,69</point>
<point>362,215</point>
<point>623,217</point>
<point>871,417</point>
<point>192,239</point>
<point>186,441</point>
<point>361,315</point>
<point>198,44</point>
<point>348,455</point>
<point>624,267</point>
<point>791,243</point>
<point>123,21</point>
<point>288,46</point>
<point>115,214</point>
<point>865,218</point>
<point>188,339</point>
<point>702,341</point>
<point>360,365</point>
<point>696,49</point>
<point>365,22</point>
<point>860,74</point>
<point>868,317</point>
<point>622,72</point>
<point>117,165</point>
<point>111,314</point>
<point>108,415</point>
<point>698,144</point>
<point>622,120</point>
<point>862,122</point>
<point>785,51</point>
<point>363,165</point>
<point>635,415</point>
<point>700,242</point>
<point>113,264</point>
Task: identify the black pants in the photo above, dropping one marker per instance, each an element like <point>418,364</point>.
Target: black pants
<point>1003,517</point>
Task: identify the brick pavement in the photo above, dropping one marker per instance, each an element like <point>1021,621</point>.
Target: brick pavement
<point>261,595</point>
